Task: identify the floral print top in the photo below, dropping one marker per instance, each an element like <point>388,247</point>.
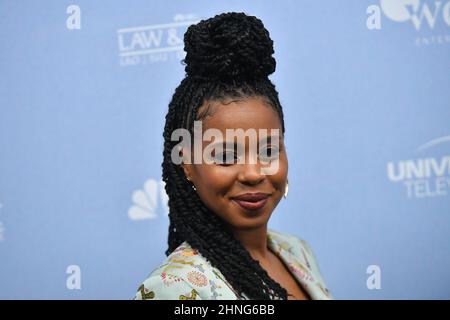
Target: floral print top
<point>187,275</point>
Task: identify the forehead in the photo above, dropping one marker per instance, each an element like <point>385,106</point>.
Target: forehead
<point>234,114</point>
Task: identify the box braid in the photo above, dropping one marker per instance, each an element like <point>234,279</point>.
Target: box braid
<point>228,56</point>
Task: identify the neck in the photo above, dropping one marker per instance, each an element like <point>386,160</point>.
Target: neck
<point>254,241</point>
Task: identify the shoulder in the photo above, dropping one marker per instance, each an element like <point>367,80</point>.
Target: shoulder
<point>300,251</point>
<point>289,240</point>
<point>281,235</point>
<point>185,275</point>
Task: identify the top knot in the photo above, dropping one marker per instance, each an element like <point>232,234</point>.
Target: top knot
<point>228,46</point>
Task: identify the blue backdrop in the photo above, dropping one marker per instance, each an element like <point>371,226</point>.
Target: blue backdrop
<point>84,89</point>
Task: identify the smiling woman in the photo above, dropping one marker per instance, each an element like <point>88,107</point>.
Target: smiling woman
<point>220,246</point>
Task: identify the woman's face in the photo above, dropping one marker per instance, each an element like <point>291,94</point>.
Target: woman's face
<point>240,192</point>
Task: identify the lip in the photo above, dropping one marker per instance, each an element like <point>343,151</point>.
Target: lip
<point>251,201</point>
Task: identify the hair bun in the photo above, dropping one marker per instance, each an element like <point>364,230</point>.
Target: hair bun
<point>229,45</point>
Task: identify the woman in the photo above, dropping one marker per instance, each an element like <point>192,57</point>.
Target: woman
<point>219,243</point>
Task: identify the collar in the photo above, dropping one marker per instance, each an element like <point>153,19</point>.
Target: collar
<point>299,262</point>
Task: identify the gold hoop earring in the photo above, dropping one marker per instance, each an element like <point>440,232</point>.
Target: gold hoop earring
<point>286,190</point>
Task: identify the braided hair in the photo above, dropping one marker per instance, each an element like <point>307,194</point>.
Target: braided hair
<point>227,56</point>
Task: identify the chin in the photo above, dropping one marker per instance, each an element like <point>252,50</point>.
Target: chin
<point>250,220</point>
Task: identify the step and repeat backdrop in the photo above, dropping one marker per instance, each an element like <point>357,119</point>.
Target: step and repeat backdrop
<point>84,89</point>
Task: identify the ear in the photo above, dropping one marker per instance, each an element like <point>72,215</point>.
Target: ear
<point>186,164</point>
<point>187,168</point>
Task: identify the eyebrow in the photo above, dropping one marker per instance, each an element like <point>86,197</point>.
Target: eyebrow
<point>224,142</point>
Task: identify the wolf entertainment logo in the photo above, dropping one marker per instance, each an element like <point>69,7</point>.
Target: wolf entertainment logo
<point>416,11</point>
<point>153,43</point>
<point>425,176</point>
<point>425,17</point>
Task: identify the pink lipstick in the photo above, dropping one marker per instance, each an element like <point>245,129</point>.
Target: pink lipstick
<point>251,201</point>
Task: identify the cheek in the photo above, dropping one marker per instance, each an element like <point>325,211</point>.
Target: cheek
<point>215,180</point>
<point>213,183</point>
<point>279,179</point>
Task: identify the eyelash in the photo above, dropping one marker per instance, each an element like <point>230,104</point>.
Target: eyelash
<point>220,159</point>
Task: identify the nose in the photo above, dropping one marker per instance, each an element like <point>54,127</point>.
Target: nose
<point>250,174</point>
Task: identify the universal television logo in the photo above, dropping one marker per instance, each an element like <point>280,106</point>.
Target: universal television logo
<point>423,177</point>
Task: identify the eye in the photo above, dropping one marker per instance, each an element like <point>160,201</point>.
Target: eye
<point>269,154</point>
<point>225,158</point>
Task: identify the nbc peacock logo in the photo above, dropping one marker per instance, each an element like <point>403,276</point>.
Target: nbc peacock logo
<point>2,232</point>
<point>149,202</point>
<point>424,176</point>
